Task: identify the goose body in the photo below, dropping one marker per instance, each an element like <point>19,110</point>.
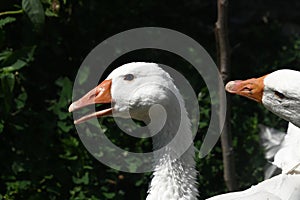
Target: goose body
<point>280,187</point>
<point>271,141</point>
<point>283,186</point>
<point>281,149</point>
<point>134,89</point>
<point>287,157</point>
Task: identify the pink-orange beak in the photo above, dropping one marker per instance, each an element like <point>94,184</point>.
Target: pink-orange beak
<point>100,94</point>
<point>252,88</point>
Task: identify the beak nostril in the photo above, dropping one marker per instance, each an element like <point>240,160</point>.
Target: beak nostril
<point>247,89</point>
<point>92,96</point>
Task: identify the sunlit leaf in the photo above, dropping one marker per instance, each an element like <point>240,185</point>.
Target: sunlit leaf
<point>14,67</point>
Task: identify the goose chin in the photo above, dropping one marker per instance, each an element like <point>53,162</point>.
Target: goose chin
<point>101,113</point>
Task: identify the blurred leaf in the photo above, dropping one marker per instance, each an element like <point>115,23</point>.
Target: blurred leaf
<point>109,195</point>
<point>1,126</point>
<point>139,182</point>
<point>19,127</point>
<point>50,13</point>
<point>68,156</point>
<point>21,100</point>
<point>6,20</point>
<point>17,167</point>
<point>83,180</point>
<point>35,11</point>
<point>83,75</point>
<point>14,67</point>
<point>65,127</point>
<point>2,38</point>
<point>18,185</point>
<point>7,82</point>
<point>7,86</point>
<point>18,58</point>
<point>66,92</point>
<point>60,107</point>
<point>87,167</point>
<point>71,142</point>
<point>5,54</point>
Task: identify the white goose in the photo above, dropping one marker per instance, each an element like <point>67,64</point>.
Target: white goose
<point>173,178</point>
<point>279,93</point>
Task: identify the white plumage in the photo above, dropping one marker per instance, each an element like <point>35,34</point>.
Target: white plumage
<point>280,187</point>
<point>270,140</point>
<point>136,87</point>
<point>279,92</point>
<point>288,156</point>
<point>281,149</point>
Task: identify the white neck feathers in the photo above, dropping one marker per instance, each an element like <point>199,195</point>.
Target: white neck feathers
<point>174,176</point>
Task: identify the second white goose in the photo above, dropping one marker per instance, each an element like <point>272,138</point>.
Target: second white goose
<point>279,92</point>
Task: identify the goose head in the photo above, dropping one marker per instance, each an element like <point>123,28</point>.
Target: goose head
<point>279,92</point>
<point>131,90</point>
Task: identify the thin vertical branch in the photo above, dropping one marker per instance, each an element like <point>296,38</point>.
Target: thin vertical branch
<point>223,52</point>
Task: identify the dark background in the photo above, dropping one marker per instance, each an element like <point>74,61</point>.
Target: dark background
<point>40,152</point>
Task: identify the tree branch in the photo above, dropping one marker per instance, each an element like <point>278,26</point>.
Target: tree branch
<point>223,52</point>
<point>14,12</point>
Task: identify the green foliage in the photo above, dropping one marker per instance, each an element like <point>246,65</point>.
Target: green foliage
<point>6,20</point>
<point>10,64</point>
<point>41,154</point>
<point>35,12</point>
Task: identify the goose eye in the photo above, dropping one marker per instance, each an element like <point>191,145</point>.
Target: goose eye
<point>128,77</point>
<point>280,95</point>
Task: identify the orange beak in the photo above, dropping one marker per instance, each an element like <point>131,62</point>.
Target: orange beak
<point>100,94</point>
<point>252,88</point>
